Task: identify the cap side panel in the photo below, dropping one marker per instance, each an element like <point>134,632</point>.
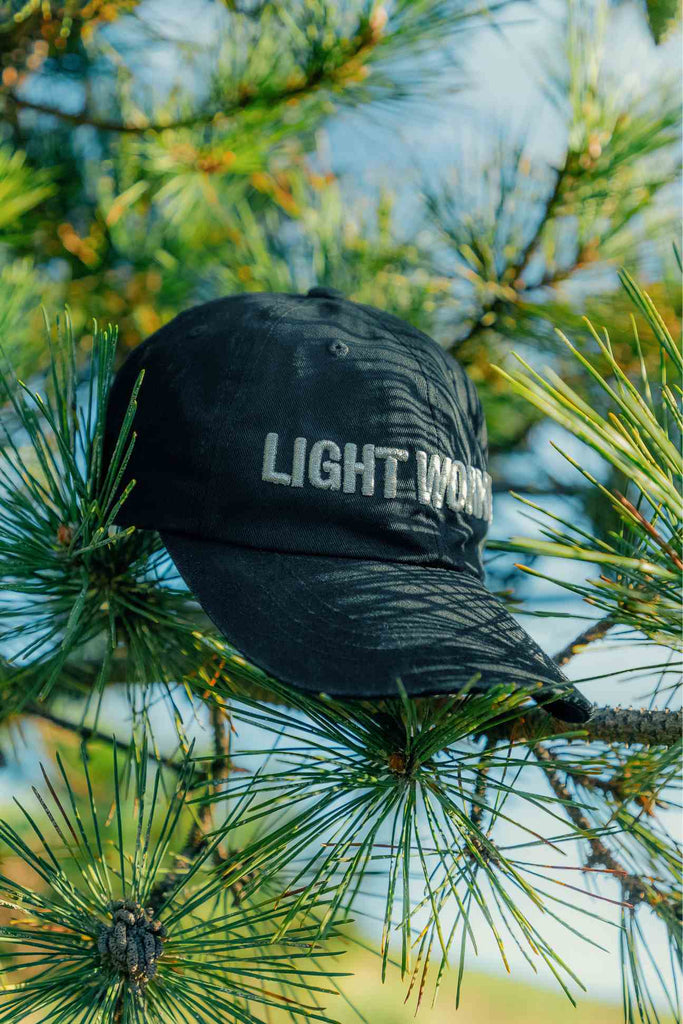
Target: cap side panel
<point>456,417</point>
<point>422,380</point>
<point>307,392</point>
<point>246,366</point>
<point>185,397</point>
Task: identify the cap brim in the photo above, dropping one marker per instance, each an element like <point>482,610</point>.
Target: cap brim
<point>352,628</point>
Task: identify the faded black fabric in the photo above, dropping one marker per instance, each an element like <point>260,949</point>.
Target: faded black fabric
<point>220,377</point>
<point>354,628</point>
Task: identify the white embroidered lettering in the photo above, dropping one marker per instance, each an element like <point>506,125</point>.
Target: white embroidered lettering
<point>299,463</point>
<point>365,469</point>
<point>475,492</point>
<point>478,492</point>
<point>317,465</point>
<point>456,494</point>
<point>487,512</point>
<point>432,478</point>
<point>439,478</point>
<point>269,455</point>
<point>392,456</point>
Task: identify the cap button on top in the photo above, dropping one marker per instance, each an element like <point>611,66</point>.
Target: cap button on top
<point>323,292</point>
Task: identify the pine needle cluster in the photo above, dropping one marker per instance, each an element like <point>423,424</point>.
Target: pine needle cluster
<point>115,929</point>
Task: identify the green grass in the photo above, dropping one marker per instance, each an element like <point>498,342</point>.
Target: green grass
<point>485,999</point>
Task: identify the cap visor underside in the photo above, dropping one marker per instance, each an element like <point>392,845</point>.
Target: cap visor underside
<point>352,628</point>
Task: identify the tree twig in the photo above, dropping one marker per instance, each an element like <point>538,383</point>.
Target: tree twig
<point>633,887</point>
<point>530,247</point>
<point>38,711</point>
<point>636,725</point>
<point>596,631</point>
<point>480,786</point>
<point>517,269</point>
<point>600,853</point>
<point>248,98</point>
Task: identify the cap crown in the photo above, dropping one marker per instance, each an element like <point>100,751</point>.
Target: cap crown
<point>309,425</point>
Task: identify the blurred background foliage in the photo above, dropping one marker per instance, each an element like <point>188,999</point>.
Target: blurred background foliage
<point>142,171</point>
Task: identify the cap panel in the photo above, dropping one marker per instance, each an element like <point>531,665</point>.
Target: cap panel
<point>459,432</point>
<point>191,378</point>
<point>464,417</point>
<point>326,375</point>
<point>305,372</point>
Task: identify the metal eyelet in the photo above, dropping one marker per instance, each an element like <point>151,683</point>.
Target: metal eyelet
<point>338,348</point>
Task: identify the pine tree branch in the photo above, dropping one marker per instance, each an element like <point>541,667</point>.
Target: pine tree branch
<point>515,272</point>
<point>599,852</point>
<point>220,765</point>
<point>480,786</point>
<point>636,725</point>
<point>530,248</point>
<point>609,725</point>
<point>633,888</point>
<point>87,734</point>
<point>478,805</point>
<point>218,717</point>
<point>596,631</point>
<point>317,78</point>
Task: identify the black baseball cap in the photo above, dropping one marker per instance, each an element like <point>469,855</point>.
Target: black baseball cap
<point>317,470</point>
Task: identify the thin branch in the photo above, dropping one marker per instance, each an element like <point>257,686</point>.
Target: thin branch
<point>596,631</point>
<point>86,734</point>
<point>633,887</point>
<point>599,852</point>
<point>516,270</point>
<point>221,745</point>
<point>478,805</point>
<point>608,724</point>
<point>636,725</point>
<point>247,99</point>
<point>530,248</point>
<point>480,786</point>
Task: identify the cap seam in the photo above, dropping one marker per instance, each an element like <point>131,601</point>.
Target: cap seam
<point>246,377</point>
<point>464,568</point>
<point>438,535</point>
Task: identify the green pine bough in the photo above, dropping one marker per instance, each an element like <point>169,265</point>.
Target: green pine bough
<point>637,434</point>
<point>120,929</point>
<point>217,886</point>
